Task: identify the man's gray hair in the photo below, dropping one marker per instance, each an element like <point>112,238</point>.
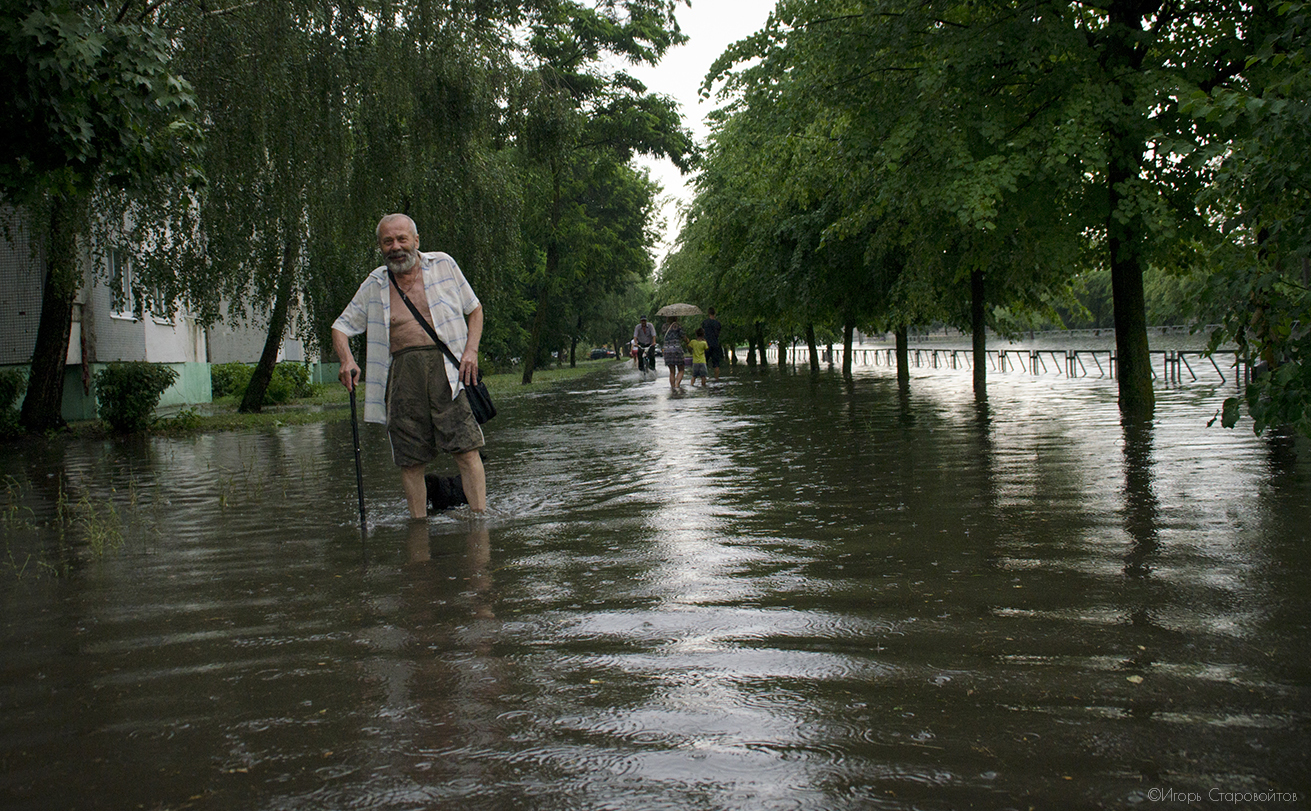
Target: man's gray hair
<point>377,232</point>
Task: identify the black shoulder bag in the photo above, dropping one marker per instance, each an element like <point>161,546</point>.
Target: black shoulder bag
<point>480,400</point>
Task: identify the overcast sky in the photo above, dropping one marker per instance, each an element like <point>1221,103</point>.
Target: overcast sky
<point>711,26</point>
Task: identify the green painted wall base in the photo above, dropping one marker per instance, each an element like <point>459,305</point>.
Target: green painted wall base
<point>324,372</point>
<point>80,398</point>
<point>192,387</point>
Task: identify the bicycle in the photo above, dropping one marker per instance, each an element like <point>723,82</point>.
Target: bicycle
<point>646,358</point>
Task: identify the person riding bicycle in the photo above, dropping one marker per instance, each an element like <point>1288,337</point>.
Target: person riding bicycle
<point>644,335</point>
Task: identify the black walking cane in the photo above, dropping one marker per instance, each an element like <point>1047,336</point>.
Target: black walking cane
<point>359,470</point>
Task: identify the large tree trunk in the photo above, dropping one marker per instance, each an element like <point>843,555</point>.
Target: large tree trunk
<point>848,338</point>
<point>978,329</point>
<point>43,404</point>
<point>1132,352</point>
<point>552,266</point>
<point>253,400</point>
<point>814,350</point>
<point>573,343</point>
<point>903,355</point>
<point>1122,59</point>
<point>539,319</point>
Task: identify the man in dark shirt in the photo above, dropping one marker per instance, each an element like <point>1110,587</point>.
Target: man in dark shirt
<point>713,352</point>
<point>644,336</point>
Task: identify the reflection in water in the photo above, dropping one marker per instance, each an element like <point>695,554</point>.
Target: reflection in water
<point>1141,518</point>
<point>444,688</point>
<point>790,591</point>
<point>475,568</point>
<point>1140,503</point>
<point>905,414</point>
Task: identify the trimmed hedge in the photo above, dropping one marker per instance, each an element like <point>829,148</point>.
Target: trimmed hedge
<point>12,384</point>
<point>128,393</point>
<point>291,380</point>
<point>226,379</point>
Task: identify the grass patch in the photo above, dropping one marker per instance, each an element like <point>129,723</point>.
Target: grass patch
<point>509,384</point>
<point>328,402</point>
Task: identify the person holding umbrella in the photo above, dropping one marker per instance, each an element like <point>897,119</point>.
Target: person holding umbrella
<point>714,353</point>
<point>675,338</point>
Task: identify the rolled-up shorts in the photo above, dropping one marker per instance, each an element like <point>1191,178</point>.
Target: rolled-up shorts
<point>699,370</point>
<point>422,419</point>
<point>714,355</point>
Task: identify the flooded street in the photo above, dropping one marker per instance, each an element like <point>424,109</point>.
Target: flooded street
<point>786,592</point>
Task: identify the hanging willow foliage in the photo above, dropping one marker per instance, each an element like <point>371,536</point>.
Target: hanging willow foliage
<point>320,117</point>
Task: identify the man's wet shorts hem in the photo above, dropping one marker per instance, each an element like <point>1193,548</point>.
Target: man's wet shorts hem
<point>422,419</point>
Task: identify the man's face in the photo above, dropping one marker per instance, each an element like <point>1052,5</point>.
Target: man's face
<point>399,245</point>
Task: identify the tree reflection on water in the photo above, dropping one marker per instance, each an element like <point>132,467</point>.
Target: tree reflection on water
<point>791,589</point>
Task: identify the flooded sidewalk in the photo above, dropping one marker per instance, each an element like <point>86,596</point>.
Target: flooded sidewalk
<point>788,591</point>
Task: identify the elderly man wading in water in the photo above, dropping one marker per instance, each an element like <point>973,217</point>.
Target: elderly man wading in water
<point>422,400</point>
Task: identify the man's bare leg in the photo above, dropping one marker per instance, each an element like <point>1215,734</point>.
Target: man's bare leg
<point>474,479</point>
<point>416,490</point>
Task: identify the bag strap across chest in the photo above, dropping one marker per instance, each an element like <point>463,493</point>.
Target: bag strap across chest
<point>423,322</point>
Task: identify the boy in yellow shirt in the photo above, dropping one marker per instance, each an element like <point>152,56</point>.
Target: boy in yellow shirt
<point>698,346</point>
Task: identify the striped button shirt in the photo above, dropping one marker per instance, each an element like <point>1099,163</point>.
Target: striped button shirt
<point>450,299</point>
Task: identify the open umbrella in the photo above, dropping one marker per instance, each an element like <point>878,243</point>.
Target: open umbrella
<point>679,309</point>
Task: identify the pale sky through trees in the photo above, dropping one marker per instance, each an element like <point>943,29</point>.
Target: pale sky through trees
<point>711,26</point>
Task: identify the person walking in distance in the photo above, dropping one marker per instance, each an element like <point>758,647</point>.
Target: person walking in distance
<point>714,354</point>
<point>644,336</point>
<point>675,339</point>
<point>410,385</point>
<point>698,347</point>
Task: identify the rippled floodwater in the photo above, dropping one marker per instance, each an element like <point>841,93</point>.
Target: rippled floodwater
<point>787,592</point>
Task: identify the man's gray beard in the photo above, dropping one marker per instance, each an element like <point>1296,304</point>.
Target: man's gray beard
<point>403,265</point>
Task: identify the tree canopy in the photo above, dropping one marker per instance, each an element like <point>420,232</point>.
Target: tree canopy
<point>908,159</point>
<point>92,104</point>
<point>876,164</point>
<point>583,116</point>
<point>317,119</point>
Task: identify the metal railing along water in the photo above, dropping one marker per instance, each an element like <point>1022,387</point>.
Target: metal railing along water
<point>1170,365</point>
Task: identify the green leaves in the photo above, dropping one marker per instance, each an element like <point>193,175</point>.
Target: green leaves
<point>1031,142</point>
<point>1229,414</point>
<point>590,223</point>
<point>127,393</point>
<point>1260,137</point>
<point>89,97</point>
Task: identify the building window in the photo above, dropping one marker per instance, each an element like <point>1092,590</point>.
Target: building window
<point>158,310</point>
<point>120,284</point>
